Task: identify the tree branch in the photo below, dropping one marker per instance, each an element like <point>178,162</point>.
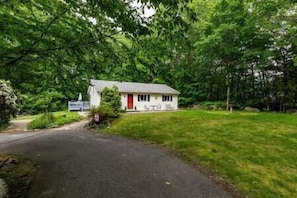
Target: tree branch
<point>76,45</point>
<point>27,51</point>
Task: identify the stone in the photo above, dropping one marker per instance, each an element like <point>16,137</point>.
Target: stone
<point>11,160</point>
<point>8,163</point>
<point>197,107</point>
<point>293,111</point>
<point>3,188</point>
<point>251,109</point>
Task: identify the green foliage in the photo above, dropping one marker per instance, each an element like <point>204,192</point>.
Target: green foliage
<point>8,105</point>
<point>256,152</point>
<point>42,122</point>
<point>201,48</point>
<point>250,51</point>
<point>3,126</point>
<point>60,45</point>
<point>47,101</point>
<point>65,117</point>
<point>112,97</point>
<point>185,101</point>
<point>50,120</point>
<point>60,48</point>
<point>106,113</point>
<point>210,105</point>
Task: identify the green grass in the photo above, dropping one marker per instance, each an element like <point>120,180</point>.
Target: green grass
<point>256,152</point>
<point>32,117</point>
<point>51,120</point>
<point>25,117</point>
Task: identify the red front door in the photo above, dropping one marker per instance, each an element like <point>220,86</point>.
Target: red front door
<point>130,101</point>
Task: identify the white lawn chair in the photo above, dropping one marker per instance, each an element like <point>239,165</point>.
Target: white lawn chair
<point>159,106</point>
<point>146,108</point>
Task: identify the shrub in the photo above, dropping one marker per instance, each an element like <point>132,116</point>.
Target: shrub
<point>105,111</point>
<point>185,102</point>
<point>112,97</point>
<point>8,105</point>
<point>50,120</point>
<point>66,118</point>
<point>211,105</point>
<point>42,122</point>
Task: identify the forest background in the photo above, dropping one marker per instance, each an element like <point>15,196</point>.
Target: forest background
<point>239,51</point>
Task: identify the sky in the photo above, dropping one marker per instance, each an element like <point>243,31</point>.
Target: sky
<point>148,12</point>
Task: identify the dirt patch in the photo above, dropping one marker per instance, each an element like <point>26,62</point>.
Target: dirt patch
<point>76,126</point>
<point>20,126</point>
<point>17,126</point>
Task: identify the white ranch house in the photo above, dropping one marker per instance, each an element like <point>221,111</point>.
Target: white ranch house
<point>137,96</point>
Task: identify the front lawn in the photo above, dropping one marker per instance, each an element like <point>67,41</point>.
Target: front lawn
<point>256,152</point>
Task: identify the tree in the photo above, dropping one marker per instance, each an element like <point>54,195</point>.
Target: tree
<point>46,101</point>
<point>8,105</point>
<point>62,44</point>
<point>246,47</point>
<point>209,50</point>
<point>278,20</point>
<point>112,97</point>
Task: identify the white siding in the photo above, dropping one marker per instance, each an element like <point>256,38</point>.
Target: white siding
<point>174,102</point>
<point>124,100</point>
<point>94,97</point>
<point>155,100</point>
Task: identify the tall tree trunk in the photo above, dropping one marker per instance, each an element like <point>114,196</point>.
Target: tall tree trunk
<point>253,80</point>
<point>228,92</point>
<point>285,86</point>
<point>264,88</point>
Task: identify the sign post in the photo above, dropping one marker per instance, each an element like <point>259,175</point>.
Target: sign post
<point>96,117</point>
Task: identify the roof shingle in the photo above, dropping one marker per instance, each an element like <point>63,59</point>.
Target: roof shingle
<point>134,87</point>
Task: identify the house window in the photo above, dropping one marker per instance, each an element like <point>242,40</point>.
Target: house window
<point>166,98</point>
<point>143,97</point>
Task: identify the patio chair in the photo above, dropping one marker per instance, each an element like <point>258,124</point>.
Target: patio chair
<point>146,108</point>
<point>159,106</point>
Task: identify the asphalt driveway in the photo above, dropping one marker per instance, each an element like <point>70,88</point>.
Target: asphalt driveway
<point>85,164</point>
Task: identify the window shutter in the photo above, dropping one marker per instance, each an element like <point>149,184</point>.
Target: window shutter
<point>148,97</point>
